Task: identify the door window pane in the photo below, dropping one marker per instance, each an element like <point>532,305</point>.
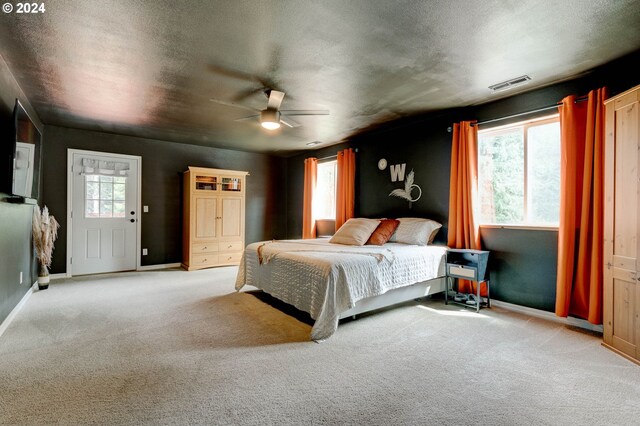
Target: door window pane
<point>105,196</point>
<point>93,190</point>
<point>106,208</point>
<point>93,208</point>
<point>118,209</point>
<point>118,191</point>
<point>106,191</point>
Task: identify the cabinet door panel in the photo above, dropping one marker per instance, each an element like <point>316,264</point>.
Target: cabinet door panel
<point>621,296</point>
<point>624,295</point>
<point>206,209</point>
<point>626,182</point>
<point>231,217</point>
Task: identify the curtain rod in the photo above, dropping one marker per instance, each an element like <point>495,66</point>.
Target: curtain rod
<point>533,111</point>
<point>333,156</point>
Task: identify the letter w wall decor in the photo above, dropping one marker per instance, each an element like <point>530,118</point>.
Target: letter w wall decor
<point>397,172</point>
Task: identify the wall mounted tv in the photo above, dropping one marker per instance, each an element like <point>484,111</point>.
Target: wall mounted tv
<point>26,153</point>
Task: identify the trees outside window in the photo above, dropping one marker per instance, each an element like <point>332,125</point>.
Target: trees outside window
<point>519,173</point>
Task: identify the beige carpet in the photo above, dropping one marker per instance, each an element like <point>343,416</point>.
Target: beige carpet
<point>175,347</point>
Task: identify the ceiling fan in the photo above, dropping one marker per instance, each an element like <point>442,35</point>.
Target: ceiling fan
<point>271,117</point>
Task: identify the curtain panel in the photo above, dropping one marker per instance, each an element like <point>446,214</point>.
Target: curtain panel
<point>310,178</point>
<point>345,186</point>
<point>464,231</point>
<point>581,231</point>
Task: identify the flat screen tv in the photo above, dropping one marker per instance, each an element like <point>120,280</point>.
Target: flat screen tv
<point>26,153</point>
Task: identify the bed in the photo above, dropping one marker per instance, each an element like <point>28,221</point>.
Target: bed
<point>334,281</point>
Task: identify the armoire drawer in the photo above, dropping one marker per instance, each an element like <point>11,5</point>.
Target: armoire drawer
<point>231,246</point>
<point>204,259</point>
<point>204,248</point>
<point>226,258</point>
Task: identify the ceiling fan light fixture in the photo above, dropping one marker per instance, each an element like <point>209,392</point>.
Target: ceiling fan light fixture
<point>270,119</point>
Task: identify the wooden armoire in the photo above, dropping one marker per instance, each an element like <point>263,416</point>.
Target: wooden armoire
<point>621,308</point>
<point>213,217</point>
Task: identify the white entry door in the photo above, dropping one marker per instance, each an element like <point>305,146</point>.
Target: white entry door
<point>104,212</point>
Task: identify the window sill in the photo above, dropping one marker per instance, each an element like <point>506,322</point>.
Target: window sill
<point>521,227</point>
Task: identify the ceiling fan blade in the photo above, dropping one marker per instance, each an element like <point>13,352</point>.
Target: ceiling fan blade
<point>230,72</point>
<point>231,104</point>
<point>304,112</point>
<point>247,93</point>
<point>251,117</point>
<point>289,122</point>
<point>275,99</point>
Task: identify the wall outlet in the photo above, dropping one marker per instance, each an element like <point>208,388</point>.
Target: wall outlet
<point>20,277</point>
<point>145,209</point>
<point>145,252</point>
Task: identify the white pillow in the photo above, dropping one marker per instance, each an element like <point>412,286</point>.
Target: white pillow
<point>355,232</point>
<point>414,230</point>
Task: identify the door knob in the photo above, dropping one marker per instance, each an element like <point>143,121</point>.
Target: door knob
<point>132,212</point>
<point>132,220</point>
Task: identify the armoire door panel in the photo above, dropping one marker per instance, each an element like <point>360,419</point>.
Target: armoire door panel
<point>624,302</point>
<point>622,223</point>
<point>231,217</point>
<point>206,209</point>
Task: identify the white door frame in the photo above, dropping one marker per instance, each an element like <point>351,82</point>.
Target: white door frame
<point>136,158</point>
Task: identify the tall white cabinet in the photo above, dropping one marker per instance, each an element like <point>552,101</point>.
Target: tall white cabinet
<point>621,304</point>
<point>213,217</point>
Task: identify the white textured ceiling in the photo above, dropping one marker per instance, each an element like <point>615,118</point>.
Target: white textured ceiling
<point>150,68</point>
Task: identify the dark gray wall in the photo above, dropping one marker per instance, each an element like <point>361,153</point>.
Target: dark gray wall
<point>162,166</point>
<point>523,261</point>
<point>16,250</point>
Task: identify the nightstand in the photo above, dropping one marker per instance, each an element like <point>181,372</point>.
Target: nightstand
<point>469,265</point>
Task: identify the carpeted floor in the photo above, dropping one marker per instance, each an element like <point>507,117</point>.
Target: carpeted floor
<point>176,347</point>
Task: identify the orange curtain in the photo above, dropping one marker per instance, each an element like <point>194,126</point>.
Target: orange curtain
<point>310,177</point>
<point>345,186</point>
<point>580,235</point>
<point>463,227</point>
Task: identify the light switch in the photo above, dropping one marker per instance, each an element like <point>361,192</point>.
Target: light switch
<point>145,209</point>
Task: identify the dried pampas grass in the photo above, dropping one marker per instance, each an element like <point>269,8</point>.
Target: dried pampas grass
<point>45,231</point>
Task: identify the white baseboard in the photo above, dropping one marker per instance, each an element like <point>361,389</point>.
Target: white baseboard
<point>16,309</point>
<point>59,276</point>
<point>575,322</point>
<point>141,268</point>
<point>162,266</point>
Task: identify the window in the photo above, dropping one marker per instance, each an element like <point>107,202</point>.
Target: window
<point>519,173</point>
<point>104,196</point>
<point>324,199</point>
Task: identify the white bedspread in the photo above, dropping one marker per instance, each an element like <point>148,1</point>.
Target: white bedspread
<point>326,279</point>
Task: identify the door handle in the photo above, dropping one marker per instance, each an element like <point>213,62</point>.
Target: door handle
<point>132,220</point>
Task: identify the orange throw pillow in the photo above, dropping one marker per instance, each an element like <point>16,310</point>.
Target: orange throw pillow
<point>383,232</point>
